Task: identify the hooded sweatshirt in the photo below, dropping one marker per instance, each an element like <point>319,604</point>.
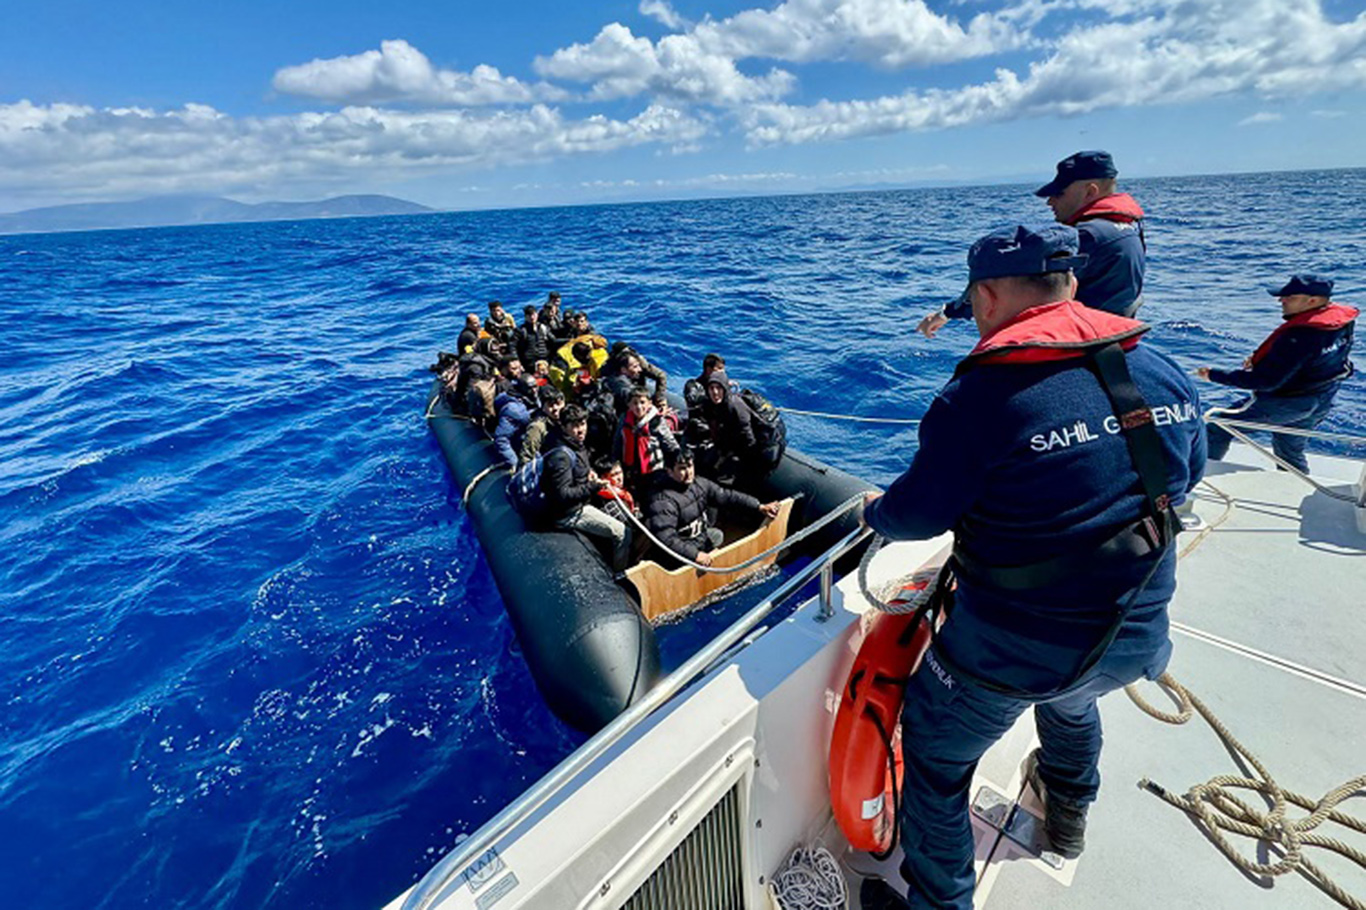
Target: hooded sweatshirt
<point>730,419</point>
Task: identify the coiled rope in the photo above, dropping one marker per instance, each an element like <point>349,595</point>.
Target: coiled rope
<point>811,879</point>
<point>1218,810</point>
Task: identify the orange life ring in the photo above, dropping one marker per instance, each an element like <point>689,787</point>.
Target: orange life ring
<point>863,782</point>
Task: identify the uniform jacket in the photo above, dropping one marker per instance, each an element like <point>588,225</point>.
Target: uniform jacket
<point>1306,354</point>
<point>1021,456</point>
<point>1110,236</point>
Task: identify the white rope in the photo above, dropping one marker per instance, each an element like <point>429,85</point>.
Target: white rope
<point>811,879</point>
<point>805,532</point>
<point>465,499</point>
<point>890,420</point>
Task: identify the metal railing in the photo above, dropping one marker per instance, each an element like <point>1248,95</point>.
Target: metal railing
<point>445,872</point>
<point>1235,429</point>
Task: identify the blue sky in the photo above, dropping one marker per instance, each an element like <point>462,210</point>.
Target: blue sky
<point>460,105</point>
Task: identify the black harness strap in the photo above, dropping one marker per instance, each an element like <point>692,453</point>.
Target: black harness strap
<point>1149,538</point>
<point>1137,424</point>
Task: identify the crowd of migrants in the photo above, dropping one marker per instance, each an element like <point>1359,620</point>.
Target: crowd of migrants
<point>589,434</point>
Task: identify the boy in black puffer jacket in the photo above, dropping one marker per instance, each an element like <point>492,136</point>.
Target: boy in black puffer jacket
<point>679,507</point>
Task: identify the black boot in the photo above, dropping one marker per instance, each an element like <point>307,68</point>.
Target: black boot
<point>1064,821</point>
<point>876,894</point>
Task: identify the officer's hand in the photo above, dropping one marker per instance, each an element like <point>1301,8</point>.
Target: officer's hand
<point>867,498</point>
<point>703,558</point>
<point>1202,372</point>
<point>932,323</point>
<point>770,510</point>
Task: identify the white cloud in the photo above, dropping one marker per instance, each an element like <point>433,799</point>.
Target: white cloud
<point>1261,117</point>
<point>666,15</point>
<point>619,64</point>
<point>399,72</point>
<point>700,65</point>
<point>887,33</point>
<point>108,153</point>
<point>1173,52</point>
<point>1328,115</point>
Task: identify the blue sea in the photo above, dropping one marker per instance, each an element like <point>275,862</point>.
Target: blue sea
<point>250,652</point>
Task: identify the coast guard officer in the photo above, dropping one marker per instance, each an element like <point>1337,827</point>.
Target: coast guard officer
<point>1296,372</point>
<point>1085,194</point>
<point>1056,455</point>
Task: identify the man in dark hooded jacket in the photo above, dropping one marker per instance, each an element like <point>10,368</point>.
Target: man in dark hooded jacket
<point>743,448</point>
<point>679,506</point>
<point>1084,194</point>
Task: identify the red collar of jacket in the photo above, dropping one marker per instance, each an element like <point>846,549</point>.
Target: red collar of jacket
<point>1055,331</point>
<point>1327,318</point>
<point>1115,207</point>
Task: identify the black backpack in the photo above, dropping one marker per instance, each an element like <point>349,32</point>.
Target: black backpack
<point>770,432</point>
<point>524,488</point>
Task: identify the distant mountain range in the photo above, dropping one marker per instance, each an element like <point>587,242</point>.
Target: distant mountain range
<point>160,211</point>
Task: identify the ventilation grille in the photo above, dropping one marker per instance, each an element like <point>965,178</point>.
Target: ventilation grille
<point>703,872</point>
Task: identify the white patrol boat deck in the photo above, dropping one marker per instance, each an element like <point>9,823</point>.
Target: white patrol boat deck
<point>695,798</point>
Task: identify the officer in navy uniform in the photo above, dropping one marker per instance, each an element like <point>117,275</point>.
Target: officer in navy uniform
<point>1056,454</point>
<point>1296,372</point>
<point>1084,193</point>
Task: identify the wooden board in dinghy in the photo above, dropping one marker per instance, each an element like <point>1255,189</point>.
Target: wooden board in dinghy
<point>663,592</point>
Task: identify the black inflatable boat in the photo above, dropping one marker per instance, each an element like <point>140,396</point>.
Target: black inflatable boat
<point>589,648</point>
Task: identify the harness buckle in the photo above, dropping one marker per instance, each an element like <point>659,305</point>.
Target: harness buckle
<point>1136,418</point>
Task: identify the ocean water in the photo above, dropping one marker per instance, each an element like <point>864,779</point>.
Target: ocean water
<point>250,653</point>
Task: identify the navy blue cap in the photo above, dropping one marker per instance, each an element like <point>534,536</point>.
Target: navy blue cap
<point>1304,283</point>
<point>1021,250</point>
<point>1094,165</point>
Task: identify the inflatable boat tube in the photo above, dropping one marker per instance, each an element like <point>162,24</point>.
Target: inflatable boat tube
<point>590,650</point>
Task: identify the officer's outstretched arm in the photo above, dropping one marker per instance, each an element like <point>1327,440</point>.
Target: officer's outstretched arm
<point>947,475</point>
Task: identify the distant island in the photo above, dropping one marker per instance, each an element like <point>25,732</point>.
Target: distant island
<point>162,211</point>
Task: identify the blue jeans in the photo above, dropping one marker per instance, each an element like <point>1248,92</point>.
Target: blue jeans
<point>947,724</point>
<point>1303,411</point>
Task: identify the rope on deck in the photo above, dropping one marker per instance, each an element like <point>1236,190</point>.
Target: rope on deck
<point>1216,809</point>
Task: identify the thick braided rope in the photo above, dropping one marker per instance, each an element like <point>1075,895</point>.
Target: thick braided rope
<point>1218,810</point>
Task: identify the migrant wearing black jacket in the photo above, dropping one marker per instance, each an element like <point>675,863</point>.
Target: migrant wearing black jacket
<point>677,512</point>
<point>564,479</point>
<point>730,419</point>
<point>533,343</point>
